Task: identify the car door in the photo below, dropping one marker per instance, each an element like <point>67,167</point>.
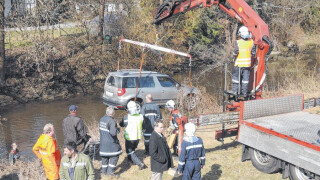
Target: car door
<point>147,85</point>
<point>168,88</point>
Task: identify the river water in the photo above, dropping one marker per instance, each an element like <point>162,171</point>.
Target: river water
<point>26,121</point>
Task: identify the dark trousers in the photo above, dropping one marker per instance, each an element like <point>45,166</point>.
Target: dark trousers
<point>175,145</point>
<point>146,141</point>
<point>240,74</point>
<point>109,164</point>
<point>192,170</point>
<point>131,146</point>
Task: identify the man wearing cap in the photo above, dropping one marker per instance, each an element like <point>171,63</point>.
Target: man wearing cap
<point>73,128</point>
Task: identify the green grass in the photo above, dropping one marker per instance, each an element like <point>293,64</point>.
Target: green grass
<point>15,39</point>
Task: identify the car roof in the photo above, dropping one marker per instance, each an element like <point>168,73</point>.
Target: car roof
<point>133,72</point>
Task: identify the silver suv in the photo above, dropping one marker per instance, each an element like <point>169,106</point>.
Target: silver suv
<point>120,88</point>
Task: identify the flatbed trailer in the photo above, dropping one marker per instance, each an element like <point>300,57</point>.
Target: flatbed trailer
<point>277,136</point>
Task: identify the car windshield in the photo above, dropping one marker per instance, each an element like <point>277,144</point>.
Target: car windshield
<point>144,82</point>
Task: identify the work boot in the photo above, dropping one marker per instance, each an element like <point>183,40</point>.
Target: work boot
<point>142,166</point>
<point>244,95</point>
<point>232,92</point>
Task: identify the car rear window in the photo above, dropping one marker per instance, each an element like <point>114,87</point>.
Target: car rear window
<point>166,81</point>
<point>111,81</point>
<point>144,82</point>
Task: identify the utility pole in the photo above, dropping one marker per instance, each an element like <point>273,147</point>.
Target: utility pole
<point>101,20</point>
<point>2,47</point>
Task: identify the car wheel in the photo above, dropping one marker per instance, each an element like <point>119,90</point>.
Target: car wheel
<point>297,173</point>
<point>264,162</point>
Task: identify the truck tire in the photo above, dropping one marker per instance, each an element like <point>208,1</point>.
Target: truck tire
<point>264,162</point>
<point>297,173</point>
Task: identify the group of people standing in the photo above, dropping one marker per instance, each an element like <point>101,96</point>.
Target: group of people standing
<point>73,165</point>
<point>146,122</point>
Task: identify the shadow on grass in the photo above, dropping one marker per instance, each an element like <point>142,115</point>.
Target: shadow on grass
<point>232,144</point>
<point>12,176</point>
<point>123,167</point>
<point>215,173</point>
<point>125,164</point>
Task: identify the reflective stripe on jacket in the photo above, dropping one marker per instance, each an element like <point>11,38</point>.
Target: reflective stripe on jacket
<point>109,143</point>
<point>191,149</point>
<point>133,130</point>
<point>244,57</point>
<point>46,149</point>
<point>83,168</point>
<point>151,113</point>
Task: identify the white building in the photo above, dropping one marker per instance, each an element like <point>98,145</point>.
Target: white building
<point>18,7</point>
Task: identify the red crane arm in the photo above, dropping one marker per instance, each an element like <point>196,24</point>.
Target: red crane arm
<point>240,10</point>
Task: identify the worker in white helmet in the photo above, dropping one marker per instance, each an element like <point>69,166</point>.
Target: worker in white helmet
<point>192,156</point>
<point>133,133</point>
<point>243,53</point>
<point>174,114</point>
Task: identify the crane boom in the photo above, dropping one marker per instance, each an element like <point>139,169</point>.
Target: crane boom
<point>240,10</point>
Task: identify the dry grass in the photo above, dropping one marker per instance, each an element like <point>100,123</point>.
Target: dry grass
<point>22,171</point>
<point>223,162</point>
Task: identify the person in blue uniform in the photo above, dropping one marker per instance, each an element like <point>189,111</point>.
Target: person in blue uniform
<point>110,148</point>
<point>151,112</point>
<point>192,157</point>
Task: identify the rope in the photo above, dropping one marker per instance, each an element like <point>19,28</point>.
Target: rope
<point>190,84</point>
<point>119,49</point>
<point>141,62</point>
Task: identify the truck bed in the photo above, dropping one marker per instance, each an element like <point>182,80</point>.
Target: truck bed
<point>300,125</point>
<point>279,127</point>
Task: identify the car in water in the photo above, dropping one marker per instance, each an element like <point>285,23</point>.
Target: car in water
<point>121,87</point>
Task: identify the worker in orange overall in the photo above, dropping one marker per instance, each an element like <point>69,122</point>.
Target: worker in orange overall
<point>47,150</point>
<point>174,114</point>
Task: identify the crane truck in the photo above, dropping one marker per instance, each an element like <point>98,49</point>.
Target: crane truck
<point>277,136</point>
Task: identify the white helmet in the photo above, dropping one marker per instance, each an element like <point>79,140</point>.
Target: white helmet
<point>170,104</point>
<point>190,129</point>
<point>244,32</point>
<point>132,107</point>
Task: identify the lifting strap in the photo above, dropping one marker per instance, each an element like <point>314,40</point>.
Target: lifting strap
<point>138,83</point>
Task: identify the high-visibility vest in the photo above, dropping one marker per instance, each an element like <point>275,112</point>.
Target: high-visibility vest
<point>133,130</point>
<point>244,56</point>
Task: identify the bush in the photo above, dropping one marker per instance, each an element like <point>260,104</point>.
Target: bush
<point>311,21</point>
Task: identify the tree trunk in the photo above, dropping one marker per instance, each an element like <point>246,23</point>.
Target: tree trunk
<point>101,20</point>
<point>2,47</point>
